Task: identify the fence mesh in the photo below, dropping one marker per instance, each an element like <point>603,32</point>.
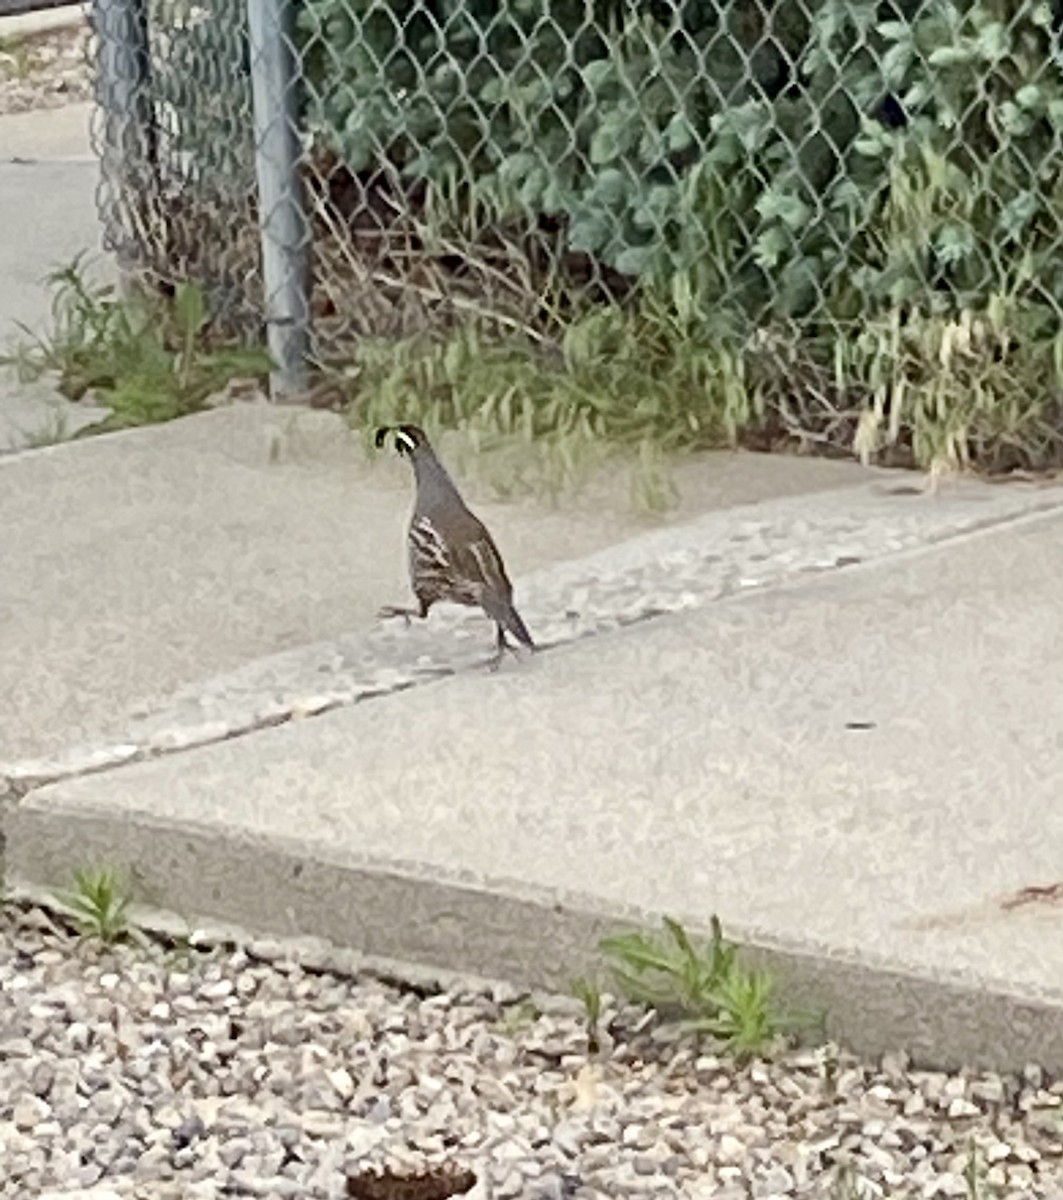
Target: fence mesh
<point>864,195</point>
<point>173,129</point>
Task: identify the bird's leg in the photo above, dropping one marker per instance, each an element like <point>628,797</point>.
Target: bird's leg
<point>501,647</point>
<point>393,610</point>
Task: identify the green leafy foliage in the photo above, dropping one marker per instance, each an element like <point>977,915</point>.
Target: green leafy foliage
<point>638,384</point>
<point>597,124</point>
<point>98,903</point>
<point>635,384</point>
<point>706,986</point>
<point>148,359</point>
<point>847,212</point>
<point>682,223</point>
<point>801,158</point>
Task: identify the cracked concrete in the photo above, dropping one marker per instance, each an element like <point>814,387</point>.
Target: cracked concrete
<point>660,571</point>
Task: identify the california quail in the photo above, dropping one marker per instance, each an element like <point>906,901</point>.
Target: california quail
<point>452,556</point>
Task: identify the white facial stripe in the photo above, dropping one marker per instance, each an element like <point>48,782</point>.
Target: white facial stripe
<point>405,439</point>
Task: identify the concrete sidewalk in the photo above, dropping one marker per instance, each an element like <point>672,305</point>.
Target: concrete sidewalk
<point>48,181</point>
<point>140,562</point>
<point>858,771</point>
<point>44,20</point>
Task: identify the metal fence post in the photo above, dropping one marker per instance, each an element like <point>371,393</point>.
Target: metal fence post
<point>281,215</point>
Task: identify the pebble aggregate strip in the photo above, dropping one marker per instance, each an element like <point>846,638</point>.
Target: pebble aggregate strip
<point>159,1074</point>
<point>669,570</point>
<point>47,70</point>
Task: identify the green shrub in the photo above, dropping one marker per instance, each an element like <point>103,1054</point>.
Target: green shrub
<point>148,359</point>
<point>693,222</point>
<point>803,158</point>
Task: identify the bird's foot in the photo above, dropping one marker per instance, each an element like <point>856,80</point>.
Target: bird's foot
<point>496,659</point>
<point>392,610</point>
<point>502,648</point>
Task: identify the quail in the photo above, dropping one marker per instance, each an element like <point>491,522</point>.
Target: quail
<point>452,557</point>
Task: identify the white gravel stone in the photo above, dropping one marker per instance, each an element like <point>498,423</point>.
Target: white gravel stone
<point>102,1193</point>
<point>960,1108</point>
<point>29,1112</point>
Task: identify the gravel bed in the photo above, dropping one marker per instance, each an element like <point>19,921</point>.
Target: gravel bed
<point>45,70</point>
<point>155,1072</point>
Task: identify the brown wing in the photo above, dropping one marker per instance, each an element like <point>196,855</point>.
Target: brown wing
<point>477,559</point>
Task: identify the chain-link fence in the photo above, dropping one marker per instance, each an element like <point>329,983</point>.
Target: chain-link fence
<point>865,195</point>
<point>174,133</point>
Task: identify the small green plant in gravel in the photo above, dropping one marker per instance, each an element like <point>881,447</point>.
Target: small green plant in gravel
<point>706,988</point>
<point>20,59</point>
<point>146,358</point>
<point>517,1017</point>
<point>589,994</point>
<point>98,904</point>
<point>847,1185</point>
<point>974,1176</point>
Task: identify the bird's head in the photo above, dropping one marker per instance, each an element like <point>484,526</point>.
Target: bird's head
<point>408,438</point>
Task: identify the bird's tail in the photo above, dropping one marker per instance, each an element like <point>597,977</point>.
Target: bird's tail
<point>511,621</point>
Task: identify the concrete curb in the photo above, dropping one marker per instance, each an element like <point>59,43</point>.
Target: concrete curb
<point>529,937</point>
<point>44,21</point>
